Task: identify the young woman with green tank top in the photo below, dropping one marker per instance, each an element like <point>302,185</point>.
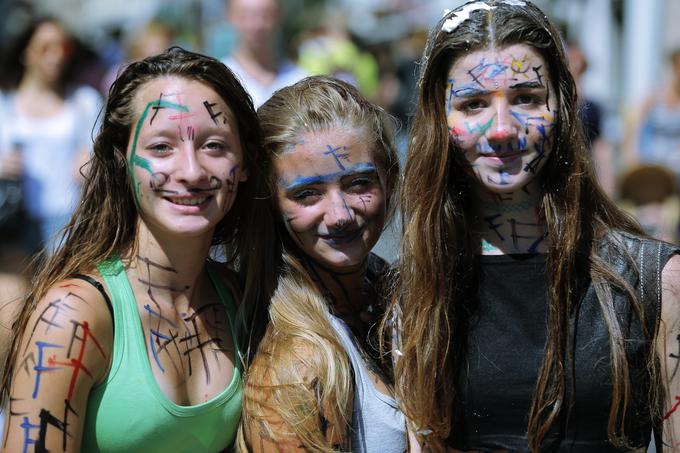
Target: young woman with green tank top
<point>127,339</point>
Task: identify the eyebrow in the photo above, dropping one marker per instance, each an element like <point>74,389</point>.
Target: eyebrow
<point>301,181</point>
<point>469,92</point>
<point>529,84</point>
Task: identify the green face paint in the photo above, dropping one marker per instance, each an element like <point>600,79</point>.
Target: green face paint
<point>135,160</point>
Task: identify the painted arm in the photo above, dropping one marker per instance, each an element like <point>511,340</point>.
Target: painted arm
<point>269,396</point>
<point>668,348</point>
<point>64,351</point>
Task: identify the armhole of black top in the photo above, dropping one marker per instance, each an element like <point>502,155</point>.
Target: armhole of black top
<point>99,288</point>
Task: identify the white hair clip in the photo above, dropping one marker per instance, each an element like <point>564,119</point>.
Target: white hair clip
<point>464,14</point>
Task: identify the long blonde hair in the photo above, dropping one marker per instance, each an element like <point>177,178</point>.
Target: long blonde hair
<point>300,340</point>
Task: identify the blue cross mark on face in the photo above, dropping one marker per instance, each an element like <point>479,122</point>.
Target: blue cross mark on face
<point>337,155</point>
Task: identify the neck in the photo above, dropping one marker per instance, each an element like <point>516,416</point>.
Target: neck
<point>511,223</point>
<point>164,264</point>
<point>256,60</point>
<point>33,82</point>
<point>344,289</point>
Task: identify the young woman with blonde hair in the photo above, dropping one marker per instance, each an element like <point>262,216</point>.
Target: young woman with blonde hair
<point>127,338</point>
<point>534,315</point>
<point>315,383</point>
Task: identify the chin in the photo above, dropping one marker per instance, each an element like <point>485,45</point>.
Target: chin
<point>189,229</point>
<point>340,260</point>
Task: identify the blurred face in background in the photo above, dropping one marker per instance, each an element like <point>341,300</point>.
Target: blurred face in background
<point>48,52</point>
<point>254,20</point>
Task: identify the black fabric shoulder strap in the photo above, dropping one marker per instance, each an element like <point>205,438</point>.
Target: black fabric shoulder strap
<point>99,288</point>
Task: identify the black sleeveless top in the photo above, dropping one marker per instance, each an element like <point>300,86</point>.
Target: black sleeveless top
<point>506,335</point>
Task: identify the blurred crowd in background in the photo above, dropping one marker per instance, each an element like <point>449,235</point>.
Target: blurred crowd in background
<point>59,59</point>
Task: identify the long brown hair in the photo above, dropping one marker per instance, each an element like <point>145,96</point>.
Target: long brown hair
<point>438,270</point>
<point>105,221</point>
<point>300,336</point>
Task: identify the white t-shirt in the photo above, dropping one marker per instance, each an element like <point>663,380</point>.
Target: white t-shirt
<point>288,74</point>
<point>49,147</point>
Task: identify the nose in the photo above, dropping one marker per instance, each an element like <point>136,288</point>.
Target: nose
<point>504,126</point>
<point>339,213</point>
<point>189,169</point>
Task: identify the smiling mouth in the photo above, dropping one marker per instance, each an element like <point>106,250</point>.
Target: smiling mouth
<point>187,201</point>
<point>342,238</point>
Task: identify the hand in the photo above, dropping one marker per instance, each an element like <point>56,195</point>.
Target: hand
<point>11,166</point>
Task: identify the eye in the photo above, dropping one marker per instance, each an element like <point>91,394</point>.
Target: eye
<point>473,105</point>
<point>527,99</point>
<point>215,146</point>
<point>306,196</point>
<point>160,148</point>
<point>361,182</point>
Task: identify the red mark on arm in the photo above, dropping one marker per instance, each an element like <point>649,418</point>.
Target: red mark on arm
<point>673,409</point>
<point>77,363</point>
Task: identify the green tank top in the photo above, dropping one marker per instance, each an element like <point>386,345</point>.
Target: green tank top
<point>128,412</point>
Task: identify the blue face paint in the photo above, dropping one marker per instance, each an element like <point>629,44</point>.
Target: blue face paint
<point>302,181</point>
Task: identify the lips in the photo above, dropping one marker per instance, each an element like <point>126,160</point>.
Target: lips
<point>505,157</point>
<point>342,238</point>
<point>189,202</point>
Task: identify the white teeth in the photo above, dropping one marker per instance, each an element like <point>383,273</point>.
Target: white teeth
<point>189,201</point>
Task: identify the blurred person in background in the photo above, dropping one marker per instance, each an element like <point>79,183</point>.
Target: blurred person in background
<point>590,113</point>
<point>255,59</point>
<point>329,49</point>
<point>45,125</point>
<point>650,193</point>
<point>153,39</point>
<point>45,128</point>
<point>654,135</point>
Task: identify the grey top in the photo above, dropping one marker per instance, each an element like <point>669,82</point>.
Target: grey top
<point>377,423</point>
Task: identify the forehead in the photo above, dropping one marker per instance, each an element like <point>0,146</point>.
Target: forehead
<point>190,93</point>
<point>326,150</point>
<point>514,60</point>
<point>48,31</point>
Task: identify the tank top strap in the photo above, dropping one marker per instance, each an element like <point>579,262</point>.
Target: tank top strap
<point>124,306</point>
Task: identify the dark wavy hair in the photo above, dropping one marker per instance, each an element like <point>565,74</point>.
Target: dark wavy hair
<point>105,220</point>
<point>438,270</point>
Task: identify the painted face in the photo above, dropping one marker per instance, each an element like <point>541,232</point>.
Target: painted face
<point>185,156</point>
<point>331,196</point>
<point>500,112</point>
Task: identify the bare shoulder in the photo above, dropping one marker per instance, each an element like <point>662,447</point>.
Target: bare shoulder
<point>668,350</point>
<point>64,351</point>
<point>71,310</point>
<point>670,283</point>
